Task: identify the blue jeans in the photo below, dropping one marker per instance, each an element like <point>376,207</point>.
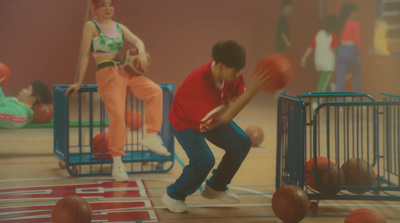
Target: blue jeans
<point>348,59</point>
<point>228,137</point>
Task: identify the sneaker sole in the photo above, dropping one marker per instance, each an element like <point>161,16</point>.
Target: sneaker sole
<point>171,210</point>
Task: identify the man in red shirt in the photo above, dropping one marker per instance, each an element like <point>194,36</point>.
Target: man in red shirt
<point>203,108</point>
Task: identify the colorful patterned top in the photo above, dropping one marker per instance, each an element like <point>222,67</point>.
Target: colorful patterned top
<point>109,40</point>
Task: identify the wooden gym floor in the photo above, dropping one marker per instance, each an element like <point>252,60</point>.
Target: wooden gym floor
<point>31,182</point>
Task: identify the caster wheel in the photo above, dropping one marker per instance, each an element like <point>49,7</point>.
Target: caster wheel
<point>159,166</point>
<point>61,164</point>
<point>74,169</point>
<point>314,207</point>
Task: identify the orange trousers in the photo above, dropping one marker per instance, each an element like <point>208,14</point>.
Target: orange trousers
<point>113,83</point>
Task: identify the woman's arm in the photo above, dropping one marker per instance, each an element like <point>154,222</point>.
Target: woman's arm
<point>87,37</point>
<point>138,43</point>
<point>309,50</point>
<point>305,56</point>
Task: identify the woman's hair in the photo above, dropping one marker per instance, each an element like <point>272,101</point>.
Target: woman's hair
<point>229,53</point>
<point>331,24</point>
<point>42,92</point>
<point>94,4</point>
<point>344,14</point>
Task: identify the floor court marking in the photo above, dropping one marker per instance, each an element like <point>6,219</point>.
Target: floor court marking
<point>267,195</point>
<point>119,210</point>
<point>233,187</point>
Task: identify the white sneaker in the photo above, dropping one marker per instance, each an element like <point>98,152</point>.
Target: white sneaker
<point>119,173</point>
<point>173,205</point>
<point>226,196</point>
<point>155,144</point>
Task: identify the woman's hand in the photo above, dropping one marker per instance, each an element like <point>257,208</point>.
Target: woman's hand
<point>143,61</point>
<point>72,89</point>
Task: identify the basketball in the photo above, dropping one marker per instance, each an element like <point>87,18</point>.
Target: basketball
<point>290,203</point>
<point>72,209</point>
<point>131,64</point>
<point>4,72</point>
<point>358,172</point>
<point>280,71</point>
<point>256,135</point>
<point>364,215</point>
<point>330,175</point>
<point>310,168</point>
<point>43,113</point>
<point>133,120</point>
<point>100,146</point>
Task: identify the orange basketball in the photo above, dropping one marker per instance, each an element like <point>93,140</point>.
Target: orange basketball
<point>310,168</point>
<point>4,72</point>
<point>364,215</point>
<point>280,71</point>
<point>290,203</point>
<point>131,64</point>
<point>358,172</point>
<point>72,209</point>
<point>330,175</point>
<point>43,113</point>
<point>100,146</point>
<point>256,135</point>
<point>133,120</point>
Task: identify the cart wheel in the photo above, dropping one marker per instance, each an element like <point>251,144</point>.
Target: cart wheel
<point>61,164</point>
<point>314,207</point>
<point>74,169</point>
<point>159,166</point>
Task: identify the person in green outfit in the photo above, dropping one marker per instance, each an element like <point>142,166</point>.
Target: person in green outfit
<point>16,112</point>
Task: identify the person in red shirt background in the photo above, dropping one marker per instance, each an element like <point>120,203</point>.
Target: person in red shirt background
<point>348,55</point>
<point>203,108</point>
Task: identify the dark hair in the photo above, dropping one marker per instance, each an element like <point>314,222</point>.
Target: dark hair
<point>96,3</point>
<point>344,14</point>
<point>286,3</point>
<point>331,24</point>
<point>42,92</point>
<point>229,53</point>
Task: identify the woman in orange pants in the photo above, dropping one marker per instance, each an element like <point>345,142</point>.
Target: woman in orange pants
<point>104,38</point>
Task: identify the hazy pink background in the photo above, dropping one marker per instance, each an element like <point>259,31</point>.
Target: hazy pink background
<point>40,39</point>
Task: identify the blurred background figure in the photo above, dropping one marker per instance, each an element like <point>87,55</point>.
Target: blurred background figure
<point>283,40</point>
<point>348,54</point>
<point>324,43</point>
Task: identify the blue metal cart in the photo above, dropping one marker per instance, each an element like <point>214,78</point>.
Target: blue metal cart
<point>78,119</point>
<point>340,126</point>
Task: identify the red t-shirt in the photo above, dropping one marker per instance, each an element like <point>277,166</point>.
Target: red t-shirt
<point>351,32</point>
<point>198,99</point>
